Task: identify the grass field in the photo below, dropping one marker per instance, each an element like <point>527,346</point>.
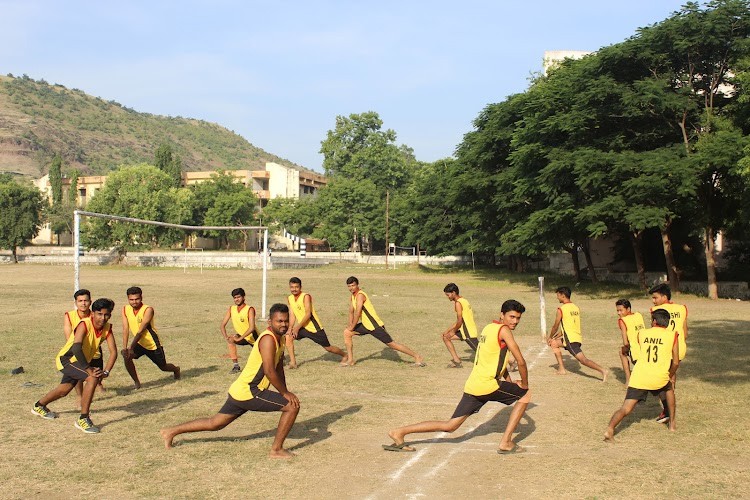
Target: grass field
<point>346,413</point>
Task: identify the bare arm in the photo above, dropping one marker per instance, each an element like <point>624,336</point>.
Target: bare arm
<point>556,326</point>
<point>675,358</point>
<point>67,327</point>
<point>292,321</point>
<point>507,335</point>
<point>355,313</point>
<point>112,348</point>
<point>223,325</point>
<point>125,334</point>
<point>275,372</point>
<point>459,319</point>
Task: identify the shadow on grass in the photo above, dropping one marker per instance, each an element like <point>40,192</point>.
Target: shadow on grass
<point>312,430</point>
<point>136,409</point>
<point>718,352</point>
<point>647,410</point>
<point>387,354</point>
<point>326,356</point>
<point>161,382</point>
<point>495,425</point>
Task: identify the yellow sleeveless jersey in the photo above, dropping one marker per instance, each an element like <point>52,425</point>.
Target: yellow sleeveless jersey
<point>241,321</point>
<point>149,340</point>
<point>369,318</point>
<point>651,372</point>
<point>633,325</point>
<point>253,379</point>
<point>90,344</point>
<point>468,329</point>
<point>678,314</point>
<point>74,319</point>
<point>489,362</point>
<point>571,323</point>
<point>297,305</point>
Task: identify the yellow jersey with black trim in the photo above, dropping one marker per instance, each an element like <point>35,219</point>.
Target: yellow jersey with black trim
<point>571,323</point>
<point>468,328</point>
<point>90,343</point>
<point>253,379</point>
<point>651,372</point>
<point>241,321</point>
<point>74,318</point>
<point>297,305</point>
<point>149,340</point>
<point>490,362</point>
<point>369,318</point>
<point>633,326</point>
<point>678,316</point>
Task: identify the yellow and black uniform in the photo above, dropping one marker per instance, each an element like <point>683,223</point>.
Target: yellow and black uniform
<point>468,330</point>
<point>651,373</point>
<point>74,318</point>
<point>67,362</point>
<point>571,327</point>
<point>250,391</point>
<point>678,316</point>
<point>149,343</point>
<point>241,322</point>
<point>485,383</point>
<point>369,321</point>
<point>633,326</point>
<point>313,328</point>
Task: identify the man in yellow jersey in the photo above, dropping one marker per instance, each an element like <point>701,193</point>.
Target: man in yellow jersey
<point>568,322</point>
<point>138,321</point>
<point>630,324</point>
<point>74,361</point>
<point>489,381</point>
<point>250,392</point>
<point>82,299</point>
<point>305,323</point>
<point>661,296</point>
<point>363,320</point>
<point>658,359</point>
<point>464,327</point>
<point>243,322</point>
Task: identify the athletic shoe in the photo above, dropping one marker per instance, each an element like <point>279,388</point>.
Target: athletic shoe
<point>663,417</point>
<point>43,412</point>
<point>236,369</point>
<point>86,425</point>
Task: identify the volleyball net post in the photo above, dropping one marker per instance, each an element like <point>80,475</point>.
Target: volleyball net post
<point>77,214</point>
<point>542,309</point>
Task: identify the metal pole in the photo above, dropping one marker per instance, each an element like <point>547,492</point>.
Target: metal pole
<point>542,309</point>
<point>76,247</point>
<point>387,248</point>
<point>265,271</point>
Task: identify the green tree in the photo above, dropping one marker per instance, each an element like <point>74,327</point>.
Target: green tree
<point>73,191</point>
<point>142,192</point>
<point>167,161</point>
<point>55,180</point>
<point>21,214</point>
<point>297,216</point>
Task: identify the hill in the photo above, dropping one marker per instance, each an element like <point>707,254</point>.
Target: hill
<point>39,120</point>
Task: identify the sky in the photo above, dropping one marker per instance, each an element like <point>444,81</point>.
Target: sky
<point>279,72</point>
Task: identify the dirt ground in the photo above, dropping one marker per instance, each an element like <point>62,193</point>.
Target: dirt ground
<point>346,413</point>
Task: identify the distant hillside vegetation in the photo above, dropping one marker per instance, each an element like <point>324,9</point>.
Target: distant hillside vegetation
<point>38,120</point>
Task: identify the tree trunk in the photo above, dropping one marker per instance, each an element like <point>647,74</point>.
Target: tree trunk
<point>576,264</point>
<point>709,248</point>
<point>672,271</point>
<point>15,255</point>
<point>589,262</point>
<point>636,239</point>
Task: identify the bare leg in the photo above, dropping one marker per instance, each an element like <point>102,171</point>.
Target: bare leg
<point>58,392</point>
<point>169,367</point>
<point>232,348</point>
<point>335,350</point>
<point>288,416</point>
<point>672,406</point>
<point>88,394</point>
<point>218,421</point>
<point>348,336</point>
<point>79,392</point>
<point>130,367</point>
<point>555,345</point>
<point>451,349</point>
<point>617,417</point>
<point>587,362</point>
<point>625,367</point>
<point>402,348</point>
<point>506,443</point>
<point>451,425</point>
<point>290,349</point>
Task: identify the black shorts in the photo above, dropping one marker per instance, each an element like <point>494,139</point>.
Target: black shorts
<point>265,400</point>
<point>72,373</point>
<point>319,338</point>
<point>508,393</point>
<point>157,355</point>
<point>379,333</point>
<point>640,394</point>
<point>97,363</point>
<point>573,348</point>
<point>472,341</point>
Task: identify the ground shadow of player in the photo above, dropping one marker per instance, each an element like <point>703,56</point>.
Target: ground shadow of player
<point>137,409</point>
<point>495,425</point>
<point>312,431</point>
<point>387,354</point>
<point>618,373</point>
<point>572,366</point>
<point>162,381</point>
<point>642,411</point>
<point>327,357</point>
